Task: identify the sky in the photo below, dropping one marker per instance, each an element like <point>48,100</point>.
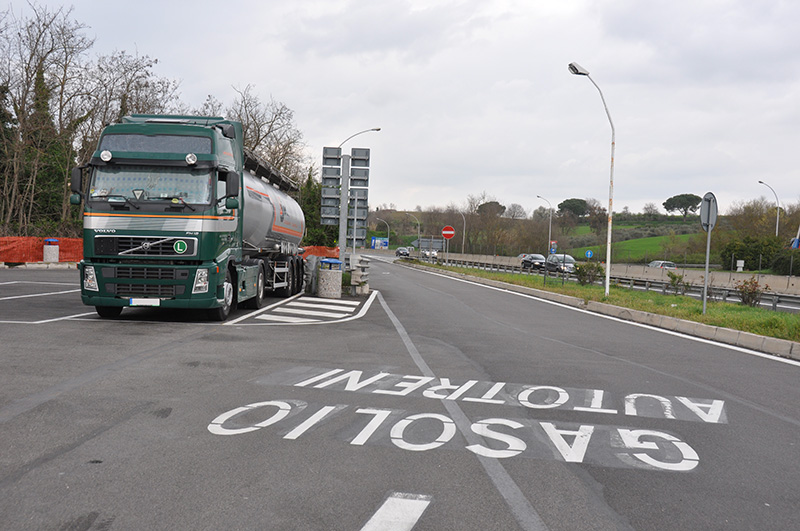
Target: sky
<point>475,96</point>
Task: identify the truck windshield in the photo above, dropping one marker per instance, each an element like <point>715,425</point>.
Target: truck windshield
<point>143,183</point>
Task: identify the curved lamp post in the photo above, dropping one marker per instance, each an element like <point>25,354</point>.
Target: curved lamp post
<point>550,224</point>
<point>419,244</point>
<point>344,200</point>
<point>387,229</point>
<point>578,70</point>
<point>778,215</point>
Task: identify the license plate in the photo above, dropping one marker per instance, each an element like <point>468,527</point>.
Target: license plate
<point>145,302</point>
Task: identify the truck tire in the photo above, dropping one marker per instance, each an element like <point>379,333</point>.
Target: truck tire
<point>222,313</point>
<point>301,274</point>
<point>287,291</point>
<point>258,301</point>
<point>108,312</point>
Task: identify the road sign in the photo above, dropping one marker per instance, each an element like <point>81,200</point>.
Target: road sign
<point>448,232</point>
<point>708,212</point>
<point>589,253</point>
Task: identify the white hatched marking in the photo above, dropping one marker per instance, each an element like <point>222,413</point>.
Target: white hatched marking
<point>285,319</point>
<point>333,315</point>
<point>399,512</point>
<point>318,306</point>
<point>332,301</point>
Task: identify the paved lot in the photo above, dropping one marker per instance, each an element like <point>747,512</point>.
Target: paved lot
<point>448,404</point>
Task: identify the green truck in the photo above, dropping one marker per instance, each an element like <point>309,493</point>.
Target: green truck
<point>178,214</point>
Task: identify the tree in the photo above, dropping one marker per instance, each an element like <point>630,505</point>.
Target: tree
<point>270,131</point>
<point>310,201</point>
<point>598,217</point>
<point>574,206</point>
<point>651,211</point>
<point>683,203</point>
<point>515,211</point>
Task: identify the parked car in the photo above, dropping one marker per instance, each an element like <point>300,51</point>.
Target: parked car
<point>401,251</point>
<point>533,261</point>
<point>561,263</point>
<point>663,264</point>
<point>429,253</point>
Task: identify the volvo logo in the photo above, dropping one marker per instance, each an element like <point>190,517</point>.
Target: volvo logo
<point>146,246</point>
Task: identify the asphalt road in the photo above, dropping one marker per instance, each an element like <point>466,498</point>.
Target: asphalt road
<point>433,404</point>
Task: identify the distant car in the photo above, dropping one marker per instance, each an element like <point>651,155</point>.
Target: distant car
<point>561,263</point>
<point>533,261</point>
<point>401,251</point>
<point>429,253</point>
<point>662,264</point>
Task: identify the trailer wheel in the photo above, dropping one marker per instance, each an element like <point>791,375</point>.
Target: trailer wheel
<point>108,312</point>
<point>287,291</point>
<point>301,274</point>
<point>222,313</point>
<point>258,301</point>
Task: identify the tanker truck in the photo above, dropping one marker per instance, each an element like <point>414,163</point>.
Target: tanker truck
<point>178,214</point>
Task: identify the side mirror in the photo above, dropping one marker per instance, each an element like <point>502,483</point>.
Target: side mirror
<point>231,203</point>
<point>76,181</point>
<point>75,199</point>
<point>232,185</point>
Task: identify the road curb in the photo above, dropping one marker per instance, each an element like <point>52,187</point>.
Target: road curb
<point>39,265</point>
<point>768,345</point>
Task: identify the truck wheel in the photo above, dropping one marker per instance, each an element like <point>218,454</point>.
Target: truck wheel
<point>286,291</point>
<point>108,312</point>
<point>258,301</point>
<point>222,313</point>
<point>301,274</point>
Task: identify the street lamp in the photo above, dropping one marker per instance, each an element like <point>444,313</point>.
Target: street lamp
<point>344,201</point>
<point>387,229</point>
<point>578,70</point>
<point>419,239</point>
<point>549,226</point>
<point>778,216</point>
<point>463,234</point>
<point>359,133</point>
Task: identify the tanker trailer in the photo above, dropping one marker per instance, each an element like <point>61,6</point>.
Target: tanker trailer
<point>178,215</point>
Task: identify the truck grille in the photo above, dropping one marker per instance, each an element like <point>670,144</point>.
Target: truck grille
<point>144,246</point>
<point>145,273</point>
<point>145,290</point>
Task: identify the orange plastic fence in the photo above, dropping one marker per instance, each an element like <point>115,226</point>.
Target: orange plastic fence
<point>324,252</point>
<point>25,249</point>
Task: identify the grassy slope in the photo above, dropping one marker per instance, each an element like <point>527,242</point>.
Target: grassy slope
<point>728,315</point>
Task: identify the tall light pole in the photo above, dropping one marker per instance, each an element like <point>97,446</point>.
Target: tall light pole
<point>463,234</point>
<point>550,224</point>
<point>578,70</point>
<point>344,201</point>
<point>387,229</point>
<point>419,239</point>
<point>778,216</point>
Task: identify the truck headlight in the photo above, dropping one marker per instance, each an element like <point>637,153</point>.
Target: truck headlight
<point>89,279</point>
<point>200,281</point>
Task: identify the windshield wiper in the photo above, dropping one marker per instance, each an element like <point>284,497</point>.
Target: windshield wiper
<point>176,198</point>
<point>108,197</point>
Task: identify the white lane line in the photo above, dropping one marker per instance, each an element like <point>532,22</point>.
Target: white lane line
<point>526,516</point>
<point>318,306</point>
<point>38,295</point>
<point>285,319</point>
<point>399,512</point>
<point>293,311</point>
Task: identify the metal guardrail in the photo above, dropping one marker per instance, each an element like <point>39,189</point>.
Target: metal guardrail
<point>773,301</point>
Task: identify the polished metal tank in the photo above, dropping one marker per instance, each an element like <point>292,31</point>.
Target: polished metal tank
<point>270,216</point>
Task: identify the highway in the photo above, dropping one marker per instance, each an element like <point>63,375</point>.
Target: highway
<point>434,403</point>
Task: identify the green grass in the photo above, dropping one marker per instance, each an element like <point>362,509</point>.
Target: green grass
<point>759,321</point>
<point>634,250</point>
